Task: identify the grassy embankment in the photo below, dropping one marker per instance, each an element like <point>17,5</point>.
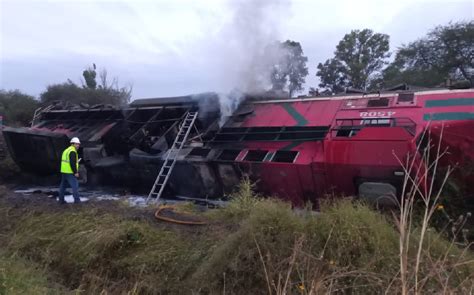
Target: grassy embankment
<point>253,246</point>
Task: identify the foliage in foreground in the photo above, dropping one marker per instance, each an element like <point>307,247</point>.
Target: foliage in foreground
<point>253,246</point>
<point>18,276</point>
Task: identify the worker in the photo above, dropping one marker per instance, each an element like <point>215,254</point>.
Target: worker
<point>70,171</point>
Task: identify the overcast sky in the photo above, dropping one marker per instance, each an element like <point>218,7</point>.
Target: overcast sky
<point>179,47</point>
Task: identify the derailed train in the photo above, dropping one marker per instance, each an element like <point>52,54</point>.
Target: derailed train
<point>298,149</point>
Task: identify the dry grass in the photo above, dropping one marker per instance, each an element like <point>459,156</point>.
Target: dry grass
<point>18,276</point>
<point>94,253</point>
<point>253,246</point>
<point>348,247</point>
<point>437,262</point>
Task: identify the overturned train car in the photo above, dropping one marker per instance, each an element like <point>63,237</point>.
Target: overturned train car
<point>295,149</point>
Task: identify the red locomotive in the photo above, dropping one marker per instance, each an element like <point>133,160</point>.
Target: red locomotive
<point>298,149</point>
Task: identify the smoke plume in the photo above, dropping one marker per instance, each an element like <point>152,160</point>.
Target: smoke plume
<point>244,48</point>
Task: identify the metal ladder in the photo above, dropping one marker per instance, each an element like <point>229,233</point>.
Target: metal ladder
<point>38,113</point>
<point>172,154</point>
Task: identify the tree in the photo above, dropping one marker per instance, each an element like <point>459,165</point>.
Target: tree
<point>313,91</point>
<point>89,93</point>
<point>332,76</point>
<point>357,62</point>
<point>17,108</point>
<point>290,71</point>
<point>446,52</point>
<point>68,92</point>
<point>89,75</point>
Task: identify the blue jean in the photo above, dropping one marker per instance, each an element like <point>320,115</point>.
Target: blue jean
<point>72,180</point>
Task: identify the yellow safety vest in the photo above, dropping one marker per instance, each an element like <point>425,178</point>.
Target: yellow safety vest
<point>65,164</point>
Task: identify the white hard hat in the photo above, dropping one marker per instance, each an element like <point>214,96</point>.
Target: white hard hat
<point>75,140</point>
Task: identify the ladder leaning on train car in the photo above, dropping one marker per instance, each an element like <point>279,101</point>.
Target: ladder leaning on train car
<point>171,156</point>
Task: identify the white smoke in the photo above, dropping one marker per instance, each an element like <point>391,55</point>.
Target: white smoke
<point>228,103</point>
<point>246,54</point>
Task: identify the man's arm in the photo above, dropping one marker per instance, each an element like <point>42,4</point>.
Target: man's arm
<point>72,162</point>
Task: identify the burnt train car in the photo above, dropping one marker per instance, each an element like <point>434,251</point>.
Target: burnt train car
<point>296,149</point>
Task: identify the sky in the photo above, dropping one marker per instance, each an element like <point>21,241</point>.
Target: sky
<point>179,47</point>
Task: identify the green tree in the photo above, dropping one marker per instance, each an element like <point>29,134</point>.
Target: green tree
<point>17,108</point>
<point>313,91</point>
<point>445,52</point>
<point>90,93</point>
<point>290,71</point>
<point>332,76</point>
<point>67,92</point>
<point>89,75</point>
<point>357,62</point>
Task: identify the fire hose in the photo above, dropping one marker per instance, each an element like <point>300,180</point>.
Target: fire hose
<point>169,219</point>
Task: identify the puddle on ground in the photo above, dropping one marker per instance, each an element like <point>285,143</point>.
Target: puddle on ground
<point>104,195</point>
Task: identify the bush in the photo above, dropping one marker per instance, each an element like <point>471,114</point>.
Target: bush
<point>72,93</point>
<point>348,247</point>
<point>345,246</point>
<point>17,108</point>
<point>240,204</point>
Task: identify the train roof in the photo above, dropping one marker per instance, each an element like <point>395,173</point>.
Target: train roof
<point>274,97</point>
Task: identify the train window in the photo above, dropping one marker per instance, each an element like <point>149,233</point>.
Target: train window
<point>346,132</point>
<point>255,155</point>
<point>285,156</point>
<point>377,122</point>
<point>406,98</point>
<point>378,102</point>
<point>229,155</point>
